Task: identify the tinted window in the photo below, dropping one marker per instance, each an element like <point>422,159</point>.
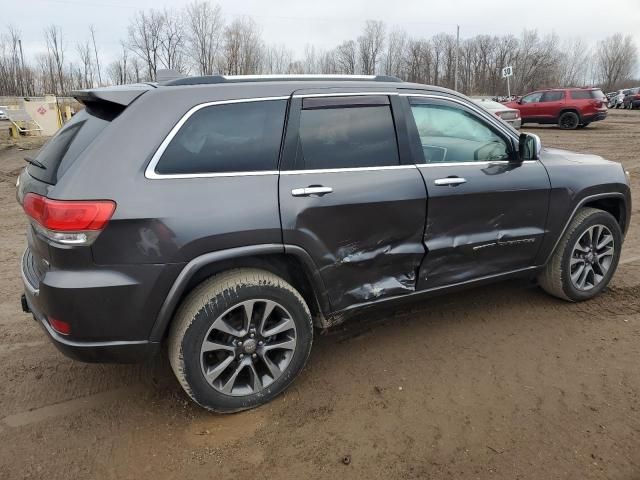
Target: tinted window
<point>552,96</point>
<point>531,98</point>
<point>237,137</point>
<point>450,134</point>
<point>581,94</point>
<point>346,138</point>
<point>59,153</point>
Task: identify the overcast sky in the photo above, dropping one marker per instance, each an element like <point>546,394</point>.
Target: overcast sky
<point>325,23</point>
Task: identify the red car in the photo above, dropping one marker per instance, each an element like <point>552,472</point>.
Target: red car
<point>568,107</point>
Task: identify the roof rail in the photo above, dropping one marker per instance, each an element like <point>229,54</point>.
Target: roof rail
<point>212,79</point>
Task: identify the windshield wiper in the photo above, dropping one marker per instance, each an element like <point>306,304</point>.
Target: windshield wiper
<point>35,162</point>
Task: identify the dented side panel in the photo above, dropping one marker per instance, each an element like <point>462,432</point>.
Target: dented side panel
<point>493,223</point>
<point>366,237</point>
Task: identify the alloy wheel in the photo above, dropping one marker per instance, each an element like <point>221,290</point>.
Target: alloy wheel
<point>248,347</point>
<point>591,257</point>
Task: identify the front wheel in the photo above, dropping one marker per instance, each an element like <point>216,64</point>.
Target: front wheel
<point>584,125</point>
<point>586,257</point>
<point>568,120</point>
<point>239,339</point>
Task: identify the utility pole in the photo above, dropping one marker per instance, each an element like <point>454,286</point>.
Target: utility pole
<point>22,82</point>
<point>455,74</point>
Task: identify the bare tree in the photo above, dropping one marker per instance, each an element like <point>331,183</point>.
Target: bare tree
<point>242,51</point>
<point>95,52</point>
<point>615,60</point>
<point>277,59</point>
<point>574,62</point>
<point>55,50</point>
<point>172,41</point>
<point>145,39</point>
<point>86,66</point>
<point>204,25</point>
<point>347,57</point>
<point>394,56</point>
<point>370,45</point>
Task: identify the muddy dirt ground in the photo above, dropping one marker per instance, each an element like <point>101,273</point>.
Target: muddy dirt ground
<point>498,382</point>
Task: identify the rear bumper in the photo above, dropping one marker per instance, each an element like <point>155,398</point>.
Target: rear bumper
<point>87,300</point>
<point>92,352</point>
<point>594,117</point>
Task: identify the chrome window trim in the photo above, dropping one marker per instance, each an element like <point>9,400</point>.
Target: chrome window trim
<point>150,171</point>
<point>348,169</point>
<point>343,94</point>
<point>469,163</point>
<point>478,110</point>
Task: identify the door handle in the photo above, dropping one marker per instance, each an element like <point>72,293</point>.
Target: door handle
<point>308,191</point>
<point>450,181</point>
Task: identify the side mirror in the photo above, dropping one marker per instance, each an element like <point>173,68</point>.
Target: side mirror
<point>519,101</point>
<point>529,147</point>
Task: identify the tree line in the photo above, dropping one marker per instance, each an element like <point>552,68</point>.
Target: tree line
<point>200,40</point>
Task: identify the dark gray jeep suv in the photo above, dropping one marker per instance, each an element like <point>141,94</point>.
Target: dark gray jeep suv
<point>228,217</point>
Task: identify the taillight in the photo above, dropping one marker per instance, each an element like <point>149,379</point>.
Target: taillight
<point>70,222</point>
<point>59,326</point>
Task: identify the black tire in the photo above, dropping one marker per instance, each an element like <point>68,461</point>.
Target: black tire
<point>569,121</point>
<point>555,277</point>
<point>584,125</point>
<point>204,305</point>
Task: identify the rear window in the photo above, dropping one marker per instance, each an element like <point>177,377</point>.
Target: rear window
<point>62,150</point>
<point>235,137</point>
<point>587,94</point>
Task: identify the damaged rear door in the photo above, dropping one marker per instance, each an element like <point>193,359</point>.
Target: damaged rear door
<point>347,198</point>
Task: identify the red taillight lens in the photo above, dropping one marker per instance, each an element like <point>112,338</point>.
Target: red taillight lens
<point>68,215</point>
<point>59,326</point>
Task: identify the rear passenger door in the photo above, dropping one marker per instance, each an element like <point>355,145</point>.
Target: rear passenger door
<point>347,198</point>
<point>550,105</point>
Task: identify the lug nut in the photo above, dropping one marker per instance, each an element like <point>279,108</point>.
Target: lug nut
<point>241,356</point>
<point>255,355</point>
<point>260,343</point>
<point>252,335</point>
<point>239,344</point>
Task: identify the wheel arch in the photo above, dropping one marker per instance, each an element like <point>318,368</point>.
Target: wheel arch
<point>569,109</point>
<point>611,202</point>
<point>292,263</point>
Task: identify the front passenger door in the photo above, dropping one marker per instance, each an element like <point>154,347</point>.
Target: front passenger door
<point>529,107</point>
<point>486,212</point>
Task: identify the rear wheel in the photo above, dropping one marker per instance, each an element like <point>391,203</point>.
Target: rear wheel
<point>568,121</point>
<point>239,339</point>
<point>586,257</point>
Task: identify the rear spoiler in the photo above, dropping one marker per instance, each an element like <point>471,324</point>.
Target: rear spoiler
<point>121,95</point>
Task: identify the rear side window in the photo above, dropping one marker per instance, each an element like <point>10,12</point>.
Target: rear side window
<point>552,96</point>
<point>350,137</point>
<point>234,137</point>
<point>587,94</point>
<point>59,153</point>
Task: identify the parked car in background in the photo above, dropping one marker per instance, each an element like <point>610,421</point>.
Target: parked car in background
<point>3,115</point>
<point>632,98</point>
<point>509,115</point>
<point>568,107</point>
<point>610,98</point>
<point>617,99</point>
